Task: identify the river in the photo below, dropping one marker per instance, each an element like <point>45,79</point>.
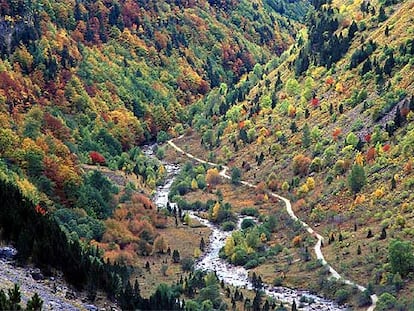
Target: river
<point>230,274</point>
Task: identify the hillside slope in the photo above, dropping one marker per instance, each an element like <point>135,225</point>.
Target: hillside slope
<point>330,125</point>
<point>86,82</point>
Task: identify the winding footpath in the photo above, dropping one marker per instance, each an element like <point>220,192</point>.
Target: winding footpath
<point>288,205</point>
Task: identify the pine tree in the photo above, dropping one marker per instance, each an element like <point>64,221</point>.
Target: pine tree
<point>398,118</point>
<point>389,64</point>
<point>383,235</point>
<point>341,108</point>
<point>293,127</point>
<point>381,15</point>
<point>387,31</point>
<point>393,183</point>
<point>176,256</point>
<point>356,179</point>
<point>352,30</point>
<point>366,67</point>
<point>306,139</point>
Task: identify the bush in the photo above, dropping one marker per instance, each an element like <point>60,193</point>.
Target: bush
<point>247,223</point>
<point>341,296</point>
<point>363,299</point>
<point>162,137</point>
<point>228,226</point>
<point>251,264</point>
<point>187,264</point>
<point>386,302</point>
<point>240,257</point>
<point>278,281</point>
<point>250,211</point>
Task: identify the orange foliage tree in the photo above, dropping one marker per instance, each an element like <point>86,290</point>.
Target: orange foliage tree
<point>301,164</point>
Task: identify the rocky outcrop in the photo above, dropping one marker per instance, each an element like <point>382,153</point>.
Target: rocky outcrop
<point>54,292</point>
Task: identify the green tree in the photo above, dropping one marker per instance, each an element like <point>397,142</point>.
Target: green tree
<point>14,297</point>
<point>401,257</point>
<point>352,139</point>
<point>356,179</point>
<point>176,256</point>
<point>202,244</point>
<point>386,302</point>
<point>381,15</point>
<point>235,175</point>
<point>35,303</point>
<point>306,139</point>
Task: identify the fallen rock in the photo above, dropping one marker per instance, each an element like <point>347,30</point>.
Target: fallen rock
<point>37,274</point>
<point>70,295</point>
<point>8,252</point>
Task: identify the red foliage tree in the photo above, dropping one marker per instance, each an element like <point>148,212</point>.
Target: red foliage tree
<point>370,155</point>
<point>315,102</point>
<point>336,133</point>
<point>97,158</point>
<point>40,210</point>
<point>56,126</point>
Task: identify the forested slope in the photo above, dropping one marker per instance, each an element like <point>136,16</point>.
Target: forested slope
<point>330,125</point>
<point>85,82</point>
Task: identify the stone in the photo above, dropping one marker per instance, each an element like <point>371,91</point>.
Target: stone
<point>70,295</point>
<point>37,274</point>
<point>8,252</point>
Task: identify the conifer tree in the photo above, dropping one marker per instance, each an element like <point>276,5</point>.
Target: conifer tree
<point>356,179</point>
<point>306,139</point>
<point>176,256</point>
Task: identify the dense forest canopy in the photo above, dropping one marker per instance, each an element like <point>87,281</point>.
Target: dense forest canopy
<point>312,99</point>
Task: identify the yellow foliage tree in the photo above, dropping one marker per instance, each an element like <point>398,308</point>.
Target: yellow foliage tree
<point>213,177</point>
<point>285,186</point>
<point>197,252</point>
<point>359,159</point>
<point>310,182</point>
<point>303,189</point>
<point>194,184</point>
<point>159,244</point>
<point>216,211</point>
<point>378,193</point>
<point>229,246</point>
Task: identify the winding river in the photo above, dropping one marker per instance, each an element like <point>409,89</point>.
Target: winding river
<point>230,274</point>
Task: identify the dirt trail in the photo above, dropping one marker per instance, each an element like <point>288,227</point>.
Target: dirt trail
<point>288,205</point>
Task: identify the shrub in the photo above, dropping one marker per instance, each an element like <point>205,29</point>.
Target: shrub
<point>341,296</point>
<point>247,223</point>
<point>162,137</point>
<point>239,257</point>
<point>228,226</point>
<point>187,264</point>
<point>250,211</point>
<point>386,302</point>
<point>252,263</point>
<point>278,281</point>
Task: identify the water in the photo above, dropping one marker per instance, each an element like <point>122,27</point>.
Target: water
<point>230,274</point>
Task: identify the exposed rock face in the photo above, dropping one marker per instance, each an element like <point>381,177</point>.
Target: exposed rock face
<point>53,291</point>
<point>7,253</point>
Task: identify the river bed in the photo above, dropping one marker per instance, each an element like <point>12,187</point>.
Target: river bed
<point>230,274</point>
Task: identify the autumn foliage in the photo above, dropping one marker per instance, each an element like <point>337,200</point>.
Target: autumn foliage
<point>301,165</point>
<point>97,158</point>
